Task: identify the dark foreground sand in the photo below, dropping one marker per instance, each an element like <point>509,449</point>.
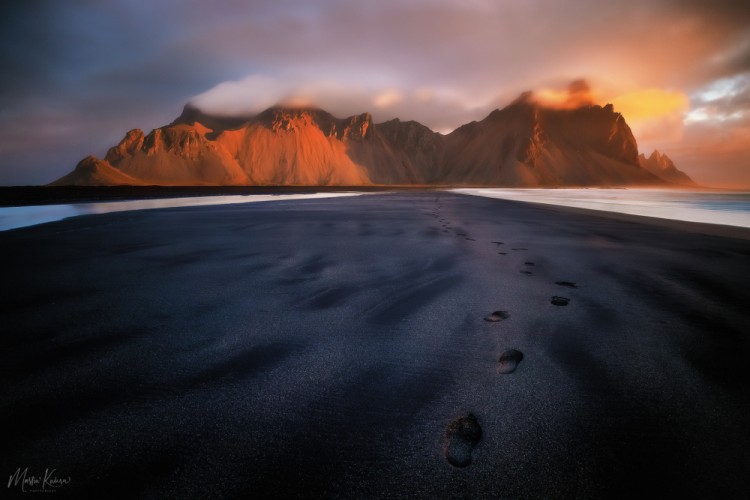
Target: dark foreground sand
<point>322,349</point>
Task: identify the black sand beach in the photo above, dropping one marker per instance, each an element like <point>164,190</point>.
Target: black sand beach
<point>330,348</point>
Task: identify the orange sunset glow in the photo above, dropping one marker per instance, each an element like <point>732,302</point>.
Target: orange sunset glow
<point>677,72</point>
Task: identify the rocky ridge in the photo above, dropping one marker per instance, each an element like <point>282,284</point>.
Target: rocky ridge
<point>522,145</point>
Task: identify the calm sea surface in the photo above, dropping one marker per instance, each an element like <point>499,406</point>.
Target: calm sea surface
<point>14,217</point>
<point>725,208</point>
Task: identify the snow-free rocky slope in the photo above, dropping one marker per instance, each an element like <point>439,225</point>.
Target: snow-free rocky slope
<point>523,145</point>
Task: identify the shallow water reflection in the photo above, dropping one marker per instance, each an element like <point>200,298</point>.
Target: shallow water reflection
<point>15,217</point>
<point>725,208</point>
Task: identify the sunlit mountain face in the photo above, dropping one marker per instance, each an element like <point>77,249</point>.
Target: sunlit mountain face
<point>532,142</point>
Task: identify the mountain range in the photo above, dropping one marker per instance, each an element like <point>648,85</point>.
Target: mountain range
<point>524,144</point>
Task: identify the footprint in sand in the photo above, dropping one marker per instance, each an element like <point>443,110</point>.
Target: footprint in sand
<point>470,239</point>
<point>463,434</point>
<point>509,361</point>
<point>498,243</point>
<point>497,316</point>
<point>528,273</point>
<point>528,263</point>
<point>503,253</point>
<point>569,284</point>
<point>559,301</point>
<point>517,249</point>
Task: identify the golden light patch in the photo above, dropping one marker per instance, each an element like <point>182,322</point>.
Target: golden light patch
<point>551,98</point>
<point>650,103</point>
<point>578,94</point>
<point>562,99</point>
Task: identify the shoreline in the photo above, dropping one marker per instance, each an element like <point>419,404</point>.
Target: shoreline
<point>40,196</point>
<point>47,195</point>
<point>654,206</point>
<point>724,230</point>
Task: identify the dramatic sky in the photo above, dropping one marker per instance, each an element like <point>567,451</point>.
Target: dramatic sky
<point>77,74</point>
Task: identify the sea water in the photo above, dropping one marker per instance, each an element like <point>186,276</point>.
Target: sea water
<point>15,217</point>
<point>712,207</point>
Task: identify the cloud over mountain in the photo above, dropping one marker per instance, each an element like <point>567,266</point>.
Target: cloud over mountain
<point>105,66</point>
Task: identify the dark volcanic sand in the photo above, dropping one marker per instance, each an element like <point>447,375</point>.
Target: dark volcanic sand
<point>322,348</point>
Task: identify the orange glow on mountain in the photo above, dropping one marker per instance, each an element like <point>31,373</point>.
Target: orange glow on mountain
<point>577,95</point>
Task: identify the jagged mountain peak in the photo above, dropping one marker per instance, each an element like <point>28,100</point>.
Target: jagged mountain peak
<point>663,167</point>
<point>278,118</point>
<point>283,118</point>
<point>658,156</point>
<point>522,144</point>
<point>284,110</point>
<point>132,141</point>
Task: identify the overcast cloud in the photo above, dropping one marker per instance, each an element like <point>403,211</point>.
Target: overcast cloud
<point>78,74</point>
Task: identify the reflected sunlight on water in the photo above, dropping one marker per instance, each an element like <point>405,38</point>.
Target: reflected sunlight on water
<point>15,217</point>
<point>726,208</point>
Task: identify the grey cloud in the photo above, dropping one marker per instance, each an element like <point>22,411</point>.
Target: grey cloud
<point>726,97</point>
